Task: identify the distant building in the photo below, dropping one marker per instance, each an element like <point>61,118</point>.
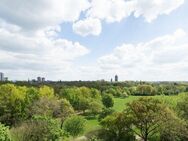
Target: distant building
<point>111,80</point>
<point>116,78</point>
<point>39,79</point>
<point>1,76</point>
<point>43,79</point>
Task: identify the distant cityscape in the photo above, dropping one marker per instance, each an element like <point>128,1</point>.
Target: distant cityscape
<point>40,79</point>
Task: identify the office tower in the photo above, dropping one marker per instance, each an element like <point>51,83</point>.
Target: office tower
<point>1,76</point>
<point>39,79</point>
<point>116,78</point>
<point>43,79</point>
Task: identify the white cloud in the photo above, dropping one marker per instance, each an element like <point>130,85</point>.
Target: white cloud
<point>19,52</point>
<point>87,27</point>
<point>29,37</point>
<point>39,15</point>
<point>151,9</point>
<point>36,14</point>
<point>110,10</point>
<point>116,10</point>
<point>165,55</point>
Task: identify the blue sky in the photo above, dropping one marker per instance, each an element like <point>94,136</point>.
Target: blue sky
<point>92,40</point>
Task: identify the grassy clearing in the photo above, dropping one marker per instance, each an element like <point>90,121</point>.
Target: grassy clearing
<point>120,103</point>
<point>92,124</point>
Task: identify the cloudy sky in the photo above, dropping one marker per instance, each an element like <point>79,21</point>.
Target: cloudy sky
<point>94,39</point>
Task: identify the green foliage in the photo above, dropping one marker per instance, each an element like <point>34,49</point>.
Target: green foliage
<point>38,129</point>
<point>44,106</point>
<point>74,125</point>
<point>95,107</point>
<point>174,129</point>
<point>66,110</point>
<point>12,103</point>
<point>147,116</point>
<point>117,127</point>
<point>105,112</point>
<point>107,101</point>
<point>182,107</point>
<point>52,107</point>
<point>4,133</point>
<point>46,91</point>
<point>80,98</point>
<point>145,90</point>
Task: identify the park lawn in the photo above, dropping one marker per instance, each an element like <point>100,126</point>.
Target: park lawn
<point>120,103</point>
<point>91,125</point>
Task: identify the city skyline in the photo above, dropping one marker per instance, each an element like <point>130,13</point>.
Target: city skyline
<point>90,40</point>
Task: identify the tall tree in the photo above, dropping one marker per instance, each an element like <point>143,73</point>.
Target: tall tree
<point>147,115</point>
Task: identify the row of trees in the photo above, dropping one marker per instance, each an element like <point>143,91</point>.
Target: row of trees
<point>119,89</point>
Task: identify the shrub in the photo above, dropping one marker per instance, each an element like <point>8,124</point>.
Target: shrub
<point>4,133</point>
<point>105,112</point>
<point>107,101</point>
<point>74,125</point>
<point>38,129</point>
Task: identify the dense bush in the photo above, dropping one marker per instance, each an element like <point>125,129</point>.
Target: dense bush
<point>38,129</point>
<point>105,112</point>
<point>107,101</point>
<point>4,133</point>
<point>74,125</point>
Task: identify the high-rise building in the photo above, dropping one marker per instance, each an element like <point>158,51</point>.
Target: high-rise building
<point>43,79</point>
<point>39,79</point>
<point>111,80</point>
<point>1,76</point>
<point>116,78</point>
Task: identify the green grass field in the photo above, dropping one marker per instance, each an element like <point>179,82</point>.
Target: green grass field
<point>120,104</point>
<point>92,124</point>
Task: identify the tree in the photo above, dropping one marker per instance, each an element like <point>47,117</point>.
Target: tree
<point>95,107</point>
<point>145,90</point>
<point>147,115</point>
<point>74,125</point>
<point>52,107</point>
<point>107,101</point>
<point>66,110</point>
<point>44,106</point>
<point>80,98</point>
<point>105,112</point>
<point>117,127</point>
<point>46,91</point>
<point>174,129</point>
<point>12,103</point>
<point>39,128</point>
<point>4,133</point>
<point>182,107</point>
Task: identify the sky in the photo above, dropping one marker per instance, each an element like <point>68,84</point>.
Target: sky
<point>94,39</point>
